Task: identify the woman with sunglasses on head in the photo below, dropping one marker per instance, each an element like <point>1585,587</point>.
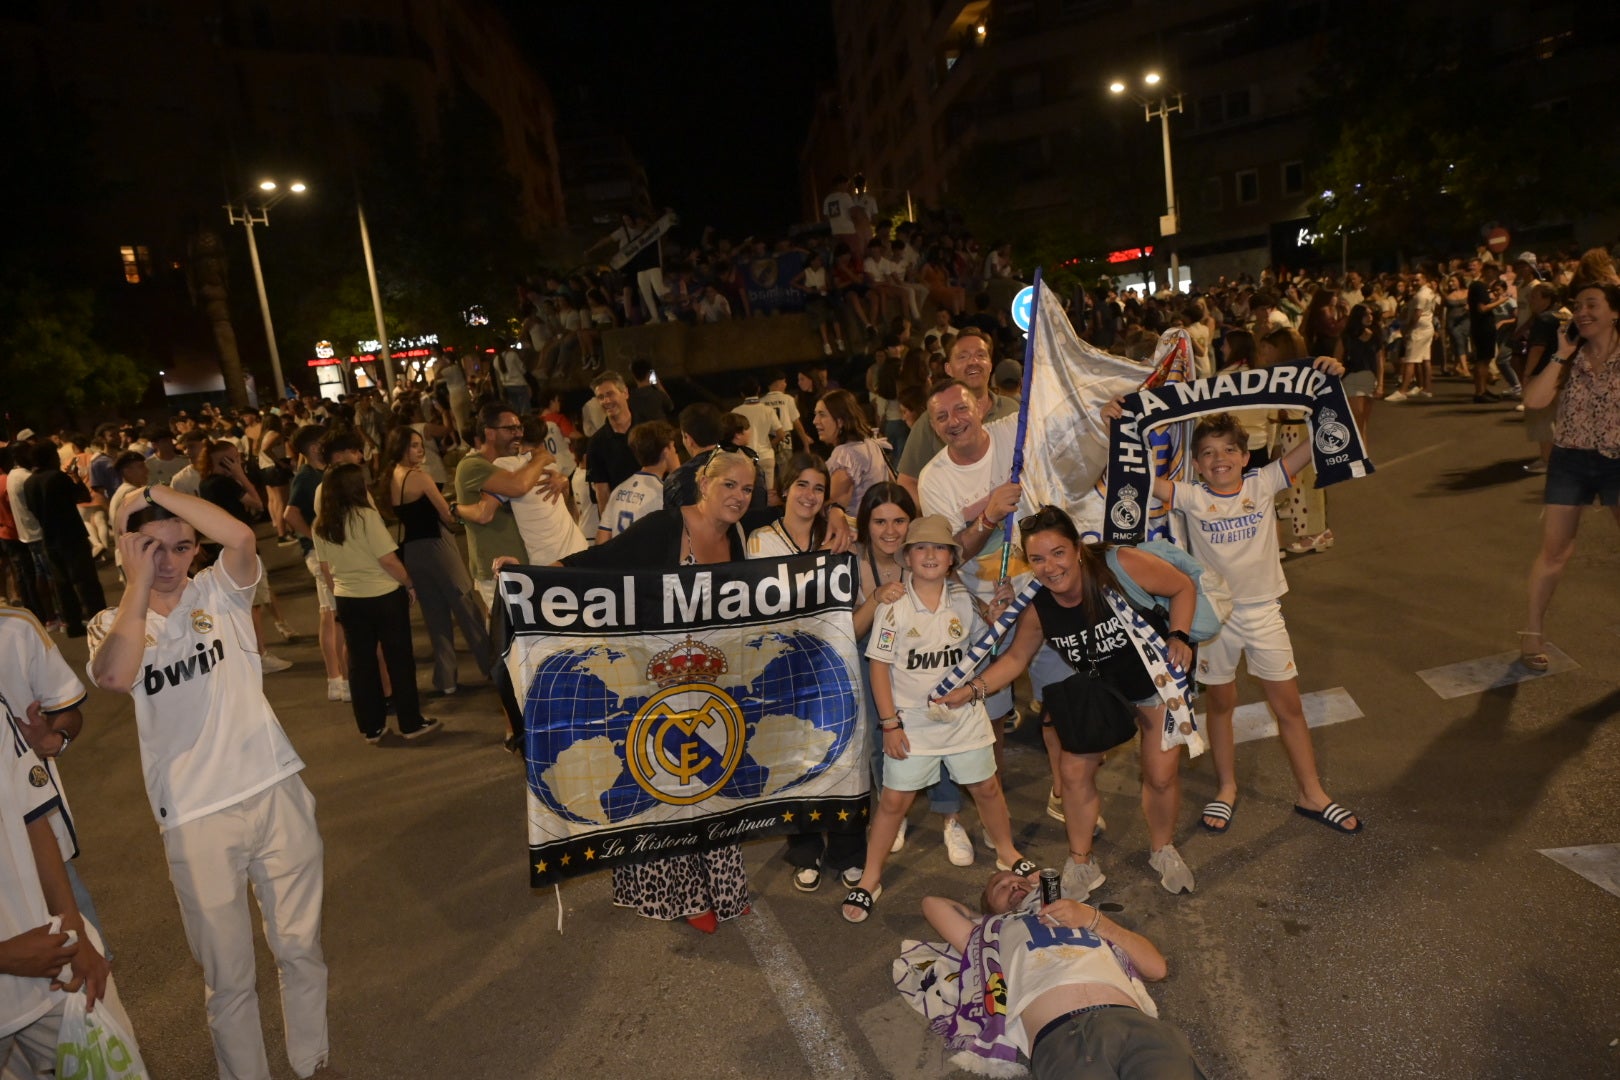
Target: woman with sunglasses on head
<point>1074,614</point>
<point>708,887</point>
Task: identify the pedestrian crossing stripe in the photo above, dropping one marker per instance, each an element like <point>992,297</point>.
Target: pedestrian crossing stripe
<point>1491,672</point>
<point>1597,863</point>
<point>1322,707</point>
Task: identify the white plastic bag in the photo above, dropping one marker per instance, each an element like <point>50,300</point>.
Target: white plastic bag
<point>95,1046</point>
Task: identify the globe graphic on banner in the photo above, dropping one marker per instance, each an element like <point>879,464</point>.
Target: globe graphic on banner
<point>798,708</point>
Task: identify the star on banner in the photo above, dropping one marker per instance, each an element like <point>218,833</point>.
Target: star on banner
<point>590,854</point>
<point>787,815</point>
<point>540,867</point>
<point>565,859</point>
<point>843,815</point>
<point>815,815</point>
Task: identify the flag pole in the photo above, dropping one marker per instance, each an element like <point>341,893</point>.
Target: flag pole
<point>1023,416</point>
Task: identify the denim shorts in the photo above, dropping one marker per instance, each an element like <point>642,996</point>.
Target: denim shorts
<point>1576,477</point>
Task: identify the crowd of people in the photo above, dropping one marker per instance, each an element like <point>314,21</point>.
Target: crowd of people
<point>858,272</point>
<point>900,456</point>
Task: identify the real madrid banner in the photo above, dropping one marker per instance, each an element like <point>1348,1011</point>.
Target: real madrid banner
<point>668,712</point>
<point>1336,446</point>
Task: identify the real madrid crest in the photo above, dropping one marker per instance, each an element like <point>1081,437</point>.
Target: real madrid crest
<point>955,628</point>
<point>201,621</point>
<point>687,740</point>
<point>1127,512</point>
<point>38,776</point>
<point>1331,436</point>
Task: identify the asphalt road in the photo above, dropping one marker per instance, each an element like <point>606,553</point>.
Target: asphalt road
<point>1439,943</point>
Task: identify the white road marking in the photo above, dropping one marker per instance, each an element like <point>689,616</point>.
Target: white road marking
<point>821,1039</point>
<point>1322,707</point>
<point>1489,672</point>
<point>1415,453</point>
<point>1597,863</point>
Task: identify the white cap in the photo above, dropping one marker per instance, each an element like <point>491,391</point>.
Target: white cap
<point>24,435</point>
<point>1527,257</point>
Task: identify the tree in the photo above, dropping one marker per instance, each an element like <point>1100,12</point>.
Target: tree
<point>52,360</point>
<point>1414,149</point>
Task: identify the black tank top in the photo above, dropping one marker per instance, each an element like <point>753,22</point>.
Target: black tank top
<point>420,519</point>
<point>1108,642</point>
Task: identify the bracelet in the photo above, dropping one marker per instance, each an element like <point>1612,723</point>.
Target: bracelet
<point>1180,635</point>
<point>146,493</point>
<point>898,725</point>
<point>66,739</point>
<point>986,524</point>
<point>1096,919</point>
<point>980,690</point>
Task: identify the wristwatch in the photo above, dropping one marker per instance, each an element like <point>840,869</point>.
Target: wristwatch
<point>1180,635</point>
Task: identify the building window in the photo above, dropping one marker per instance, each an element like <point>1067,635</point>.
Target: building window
<point>1248,186</point>
<point>1212,193</point>
<point>1237,105</point>
<point>1293,177</point>
<point>137,262</point>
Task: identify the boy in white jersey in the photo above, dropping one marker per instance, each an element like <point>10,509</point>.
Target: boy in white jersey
<point>915,642</point>
<point>653,445</point>
<point>221,774</point>
<point>1232,522</point>
<point>1075,1003</point>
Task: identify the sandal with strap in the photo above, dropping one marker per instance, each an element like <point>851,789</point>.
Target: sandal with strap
<point>1220,811</point>
<point>860,898</point>
<point>1332,815</point>
<point>1536,660</point>
<point>807,879</point>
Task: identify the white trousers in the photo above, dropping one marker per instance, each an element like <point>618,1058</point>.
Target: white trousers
<point>269,841</point>
<point>651,284</point>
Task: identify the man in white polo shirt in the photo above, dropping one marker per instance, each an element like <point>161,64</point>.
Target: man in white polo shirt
<point>221,775</point>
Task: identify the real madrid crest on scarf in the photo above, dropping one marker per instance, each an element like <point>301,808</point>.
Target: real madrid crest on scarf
<point>1336,449</point>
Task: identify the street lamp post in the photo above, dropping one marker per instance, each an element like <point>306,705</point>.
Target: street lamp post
<point>376,302</point>
<point>1160,110</point>
<point>247,217</point>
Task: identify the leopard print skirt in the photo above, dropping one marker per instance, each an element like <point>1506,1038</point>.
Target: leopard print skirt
<point>682,885</point>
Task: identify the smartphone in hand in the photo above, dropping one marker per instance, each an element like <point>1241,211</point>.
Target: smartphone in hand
<point>1572,334</point>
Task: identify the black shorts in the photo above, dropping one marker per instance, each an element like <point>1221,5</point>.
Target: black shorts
<point>1110,1041</point>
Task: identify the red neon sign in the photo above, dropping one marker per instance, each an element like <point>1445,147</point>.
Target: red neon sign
<point>1130,254</point>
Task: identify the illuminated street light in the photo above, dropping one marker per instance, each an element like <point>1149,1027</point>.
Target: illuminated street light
<point>247,217</point>
<point>1160,110</point>
<point>979,31</point>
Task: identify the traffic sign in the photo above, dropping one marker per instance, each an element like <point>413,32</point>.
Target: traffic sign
<point>1497,240</point>
<point>1021,305</point>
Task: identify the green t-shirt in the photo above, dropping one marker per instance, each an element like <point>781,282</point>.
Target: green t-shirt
<point>486,543</point>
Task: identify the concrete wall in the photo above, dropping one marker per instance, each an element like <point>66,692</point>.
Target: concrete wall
<point>679,350</point>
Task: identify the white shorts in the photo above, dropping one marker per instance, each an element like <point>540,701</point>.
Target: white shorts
<point>1256,631</point>
<point>323,591</point>
<point>918,771</point>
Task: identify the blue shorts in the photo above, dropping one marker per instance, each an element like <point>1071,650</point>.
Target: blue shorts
<point>919,771</point>
<point>1576,477</point>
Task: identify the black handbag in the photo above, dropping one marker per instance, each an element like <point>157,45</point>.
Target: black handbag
<point>1088,712</point>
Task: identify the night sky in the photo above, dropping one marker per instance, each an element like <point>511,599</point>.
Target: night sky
<point>715,98</point>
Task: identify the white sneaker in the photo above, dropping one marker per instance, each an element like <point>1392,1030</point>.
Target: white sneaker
<point>272,664</point>
<point>958,848</point>
<point>1054,806</point>
<point>1079,878</point>
<point>1174,874</point>
<point>334,690</point>
<point>1396,397</point>
<point>989,844</point>
<point>899,840</point>
<point>1419,393</point>
<point>343,690</point>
